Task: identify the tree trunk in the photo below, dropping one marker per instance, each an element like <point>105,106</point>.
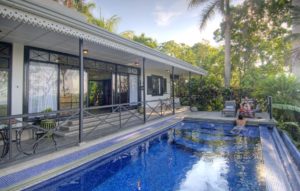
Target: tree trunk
<point>227,76</point>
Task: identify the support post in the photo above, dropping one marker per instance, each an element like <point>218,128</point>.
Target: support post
<point>10,140</point>
<point>144,90</point>
<point>190,91</point>
<point>270,106</point>
<point>81,89</point>
<point>173,90</point>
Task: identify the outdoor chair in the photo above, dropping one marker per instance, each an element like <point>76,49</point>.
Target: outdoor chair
<point>177,103</point>
<point>229,109</point>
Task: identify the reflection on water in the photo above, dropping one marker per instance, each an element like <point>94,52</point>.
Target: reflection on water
<point>206,174</point>
<point>226,161</point>
<point>196,156</point>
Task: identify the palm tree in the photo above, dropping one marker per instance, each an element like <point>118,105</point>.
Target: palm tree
<point>85,8</point>
<point>211,6</point>
<point>109,24</point>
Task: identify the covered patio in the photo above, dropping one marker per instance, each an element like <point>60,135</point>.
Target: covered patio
<point>67,82</point>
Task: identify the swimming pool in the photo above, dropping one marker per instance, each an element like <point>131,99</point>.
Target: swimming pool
<point>189,156</point>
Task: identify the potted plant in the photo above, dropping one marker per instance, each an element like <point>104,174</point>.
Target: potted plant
<point>140,109</point>
<point>46,123</point>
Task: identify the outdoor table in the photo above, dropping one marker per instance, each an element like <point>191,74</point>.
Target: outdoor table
<point>41,132</point>
<point>4,132</point>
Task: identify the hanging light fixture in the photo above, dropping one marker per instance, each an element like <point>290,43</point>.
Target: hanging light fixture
<point>85,51</point>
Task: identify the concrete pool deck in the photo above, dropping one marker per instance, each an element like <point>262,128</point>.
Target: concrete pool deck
<point>42,168</point>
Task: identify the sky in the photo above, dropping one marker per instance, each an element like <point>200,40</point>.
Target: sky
<point>162,20</point>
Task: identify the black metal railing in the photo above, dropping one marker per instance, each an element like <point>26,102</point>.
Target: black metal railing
<point>27,135</point>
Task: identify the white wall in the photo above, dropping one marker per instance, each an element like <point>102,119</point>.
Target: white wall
<point>17,79</point>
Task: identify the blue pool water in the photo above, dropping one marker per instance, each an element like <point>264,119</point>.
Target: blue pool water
<point>193,156</point>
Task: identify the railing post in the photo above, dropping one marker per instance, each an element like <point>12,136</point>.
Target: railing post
<point>190,91</point>
<point>270,106</point>
<point>10,140</point>
<point>81,94</point>
<point>173,90</point>
<point>144,90</point>
<point>120,117</point>
<point>161,107</point>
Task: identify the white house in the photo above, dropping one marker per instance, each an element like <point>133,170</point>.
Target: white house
<point>40,61</point>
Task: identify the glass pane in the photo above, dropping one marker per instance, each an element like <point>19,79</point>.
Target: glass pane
<point>89,63</point>
<point>134,70</point>
<point>73,61</point>
<point>58,58</point>
<point>123,88</point>
<point>39,55</point>
<point>4,50</point>
<point>42,87</point>
<point>3,62</point>
<point>101,65</point>
<point>156,85</point>
<point>69,88</point>
<point>111,67</point>
<point>3,92</point>
<point>123,69</point>
<point>133,87</point>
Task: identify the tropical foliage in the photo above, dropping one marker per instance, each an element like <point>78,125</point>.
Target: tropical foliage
<point>211,7</point>
<point>85,7</point>
<point>254,61</point>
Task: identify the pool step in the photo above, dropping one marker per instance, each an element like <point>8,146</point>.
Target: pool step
<point>92,122</point>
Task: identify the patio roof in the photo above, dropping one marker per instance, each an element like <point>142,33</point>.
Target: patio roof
<point>47,24</point>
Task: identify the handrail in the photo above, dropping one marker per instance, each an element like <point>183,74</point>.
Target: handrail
<point>95,120</point>
<point>38,114</point>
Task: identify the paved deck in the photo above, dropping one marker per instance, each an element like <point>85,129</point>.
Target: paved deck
<point>260,118</point>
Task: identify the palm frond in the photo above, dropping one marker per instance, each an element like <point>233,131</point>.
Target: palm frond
<point>196,3</point>
<point>221,6</point>
<point>286,107</point>
<point>208,12</point>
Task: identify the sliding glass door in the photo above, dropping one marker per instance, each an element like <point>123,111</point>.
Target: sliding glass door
<point>99,88</point>
<point>53,82</point>
<point>69,87</point>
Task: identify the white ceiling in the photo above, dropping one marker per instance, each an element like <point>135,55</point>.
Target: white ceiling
<point>13,31</point>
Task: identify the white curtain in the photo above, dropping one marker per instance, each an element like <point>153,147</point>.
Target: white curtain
<point>43,88</point>
<point>133,88</point>
<point>3,92</point>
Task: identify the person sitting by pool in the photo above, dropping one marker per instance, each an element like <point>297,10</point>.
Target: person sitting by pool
<point>245,110</point>
<point>240,125</point>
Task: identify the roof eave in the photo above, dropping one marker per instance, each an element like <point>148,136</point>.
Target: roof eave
<point>50,14</point>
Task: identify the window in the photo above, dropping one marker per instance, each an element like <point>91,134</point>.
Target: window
<point>156,85</point>
<point>5,59</point>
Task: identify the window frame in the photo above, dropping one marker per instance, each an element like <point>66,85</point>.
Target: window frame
<point>162,85</point>
<point>109,67</point>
